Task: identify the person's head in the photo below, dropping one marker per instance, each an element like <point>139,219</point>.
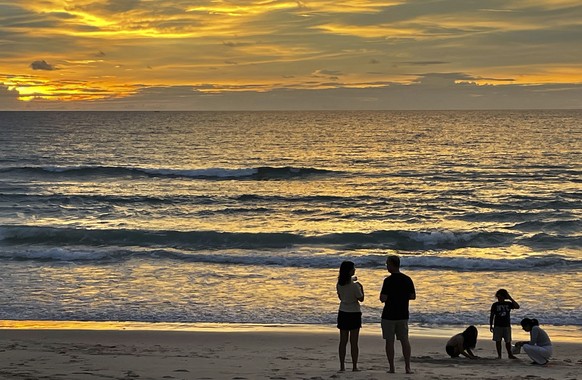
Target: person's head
<point>527,324</point>
<point>346,271</point>
<point>502,294</point>
<point>393,264</point>
<point>470,337</point>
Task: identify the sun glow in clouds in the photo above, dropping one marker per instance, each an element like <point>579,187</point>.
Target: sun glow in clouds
<point>91,50</point>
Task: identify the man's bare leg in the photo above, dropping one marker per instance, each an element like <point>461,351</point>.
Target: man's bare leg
<point>390,354</point>
<point>407,352</point>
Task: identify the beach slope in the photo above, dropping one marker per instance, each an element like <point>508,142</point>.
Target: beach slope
<point>255,353</point>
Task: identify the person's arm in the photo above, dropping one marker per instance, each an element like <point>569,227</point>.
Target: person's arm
<point>383,293</point>
<point>361,299</point>
<point>514,304</point>
<point>412,295</point>
<point>469,354</point>
<point>491,317</point>
<point>533,336</point>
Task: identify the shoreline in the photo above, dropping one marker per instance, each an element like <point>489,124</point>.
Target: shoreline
<point>565,334</point>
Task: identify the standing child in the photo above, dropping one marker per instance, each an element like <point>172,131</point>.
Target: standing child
<point>500,321</point>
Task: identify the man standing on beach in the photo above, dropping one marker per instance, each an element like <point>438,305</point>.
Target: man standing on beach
<point>397,291</point>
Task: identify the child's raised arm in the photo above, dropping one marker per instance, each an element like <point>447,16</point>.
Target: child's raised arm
<point>513,302</point>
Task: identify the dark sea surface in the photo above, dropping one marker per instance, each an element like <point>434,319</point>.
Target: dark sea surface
<point>244,217</point>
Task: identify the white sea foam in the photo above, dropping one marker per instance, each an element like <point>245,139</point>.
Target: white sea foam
<point>433,238</point>
<point>54,254</point>
<point>293,259</point>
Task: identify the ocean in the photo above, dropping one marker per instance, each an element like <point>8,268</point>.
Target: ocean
<point>245,217</point>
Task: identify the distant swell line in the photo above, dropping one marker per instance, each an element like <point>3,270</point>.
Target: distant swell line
<point>180,199</point>
<point>396,239</point>
<point>257,173</point>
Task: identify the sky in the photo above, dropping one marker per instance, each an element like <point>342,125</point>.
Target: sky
<point>285,55</point>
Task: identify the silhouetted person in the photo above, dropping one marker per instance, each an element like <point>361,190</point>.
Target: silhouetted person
<point>539,347</point>
<point>461,344</point>
<point>500,321</point>
<point>349,318</point>
<point>397,291</point>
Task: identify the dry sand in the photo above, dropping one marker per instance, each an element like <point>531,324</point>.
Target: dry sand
<point>253,353</point>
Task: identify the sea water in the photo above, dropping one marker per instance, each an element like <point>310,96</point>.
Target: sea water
<point>245,217</point>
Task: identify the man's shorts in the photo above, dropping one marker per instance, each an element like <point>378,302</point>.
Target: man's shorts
<point>390,328</point>
<point>502,333</point>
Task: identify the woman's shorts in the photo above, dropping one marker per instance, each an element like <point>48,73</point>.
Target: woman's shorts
<point>349,321</point>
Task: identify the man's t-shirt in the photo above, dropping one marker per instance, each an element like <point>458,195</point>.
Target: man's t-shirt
<point>500,311</point>
<point>398,287</point>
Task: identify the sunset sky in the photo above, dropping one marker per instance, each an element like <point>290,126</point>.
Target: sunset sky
<point>261,54</point>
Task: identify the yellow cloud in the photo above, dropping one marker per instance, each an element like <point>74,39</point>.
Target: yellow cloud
<point>244,9</point>
<point>350,7</point>
<point>33,87</point>
<point>537,74</point>
<point>374,31</point>
<point>550,4</point>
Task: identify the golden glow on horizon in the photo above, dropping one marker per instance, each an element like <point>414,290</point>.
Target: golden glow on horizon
<point>62,91</point>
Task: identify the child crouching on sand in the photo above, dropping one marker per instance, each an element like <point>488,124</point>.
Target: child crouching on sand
<point>461,344</point>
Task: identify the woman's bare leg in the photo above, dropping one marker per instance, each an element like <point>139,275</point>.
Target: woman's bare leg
<point>344,335</point>
<point>354,335</point>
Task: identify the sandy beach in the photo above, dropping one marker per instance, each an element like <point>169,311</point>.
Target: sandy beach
<point>252,352</point>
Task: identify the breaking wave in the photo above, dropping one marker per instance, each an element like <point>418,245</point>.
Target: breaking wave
<point>394,239</point>
<point>257,173</point>
<point>286,258</point>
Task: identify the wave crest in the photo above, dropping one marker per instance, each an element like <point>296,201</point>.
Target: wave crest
<point>257,173</point>
<point>292,259</point>
<point>196,240</point>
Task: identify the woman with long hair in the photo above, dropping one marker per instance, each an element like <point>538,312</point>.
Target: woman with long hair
<point>461,344</point>
<point>539,347</point>
<point>349,319</point>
